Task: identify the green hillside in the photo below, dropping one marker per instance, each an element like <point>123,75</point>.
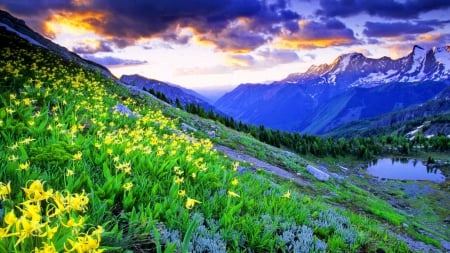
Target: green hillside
<point>86,166</point>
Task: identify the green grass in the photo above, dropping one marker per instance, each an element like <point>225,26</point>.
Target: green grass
<point>149,186</point>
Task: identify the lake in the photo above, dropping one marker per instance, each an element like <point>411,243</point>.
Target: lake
<point>404,169</point>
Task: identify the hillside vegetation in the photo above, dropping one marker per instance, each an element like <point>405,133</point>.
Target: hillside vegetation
<point>88,167</point>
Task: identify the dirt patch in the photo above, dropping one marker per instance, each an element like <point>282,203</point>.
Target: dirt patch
<point>280,172</point>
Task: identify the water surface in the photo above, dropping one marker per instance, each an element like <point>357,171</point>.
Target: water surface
<point>404,169</point>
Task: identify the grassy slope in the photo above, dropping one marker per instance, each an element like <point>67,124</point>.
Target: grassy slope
<point>328,113</point>
<point>141,175</point>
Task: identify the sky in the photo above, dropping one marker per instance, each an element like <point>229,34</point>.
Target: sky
<point>218,44</point>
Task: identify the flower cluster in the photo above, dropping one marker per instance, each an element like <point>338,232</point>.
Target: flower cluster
<point>47,220</point>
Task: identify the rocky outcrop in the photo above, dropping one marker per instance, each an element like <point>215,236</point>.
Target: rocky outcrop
<point>318,174</point>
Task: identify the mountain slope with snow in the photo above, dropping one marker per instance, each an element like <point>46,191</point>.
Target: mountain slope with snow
<point>326,96</point>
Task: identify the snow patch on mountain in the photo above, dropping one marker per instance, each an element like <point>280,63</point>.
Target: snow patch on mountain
<point>375,78</point>
<point>418,60</point>
<point>342,64</point>
<point>442,56</point>
<point>355,70</point>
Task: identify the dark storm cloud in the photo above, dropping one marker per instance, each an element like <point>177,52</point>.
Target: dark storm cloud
<point>113,61</point>
<point>380,29</point>
<point>317,34</point>
<point>376,29</point>
<point>230,25</point>
<point>35,7</point>
<point>331,28</point>
<point>235,39</point>
<point>141,18</point>
<point>385,8</point>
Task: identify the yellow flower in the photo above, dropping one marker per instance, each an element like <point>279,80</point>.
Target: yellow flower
<point>10,218</point>
<point>127,186</point>
<point>287,194</point>
<point>233,194</point>
<point>26,101</point>
<point>70,172</point>
<point>116,159</point>
<point>72,223</point>
<point>77,156</point>
<point>24,166</point>
<point>36,191</point>
<point>9,111</point>
<point>235,181</point>
<point>127,169</point>
<point>97,232</point>
<point>109,151</point>
<point>14,146</point>
<point>27,140</point>
<point>60,202</point>
<point>191,202</point>
<point>13,158</point>
<point>181,193</point>
<point>179,180</point>
<point>4,190</point>
<point>78,201</point>
<point>235,166</point>
<point>48,248</point>
<point>50,232</point>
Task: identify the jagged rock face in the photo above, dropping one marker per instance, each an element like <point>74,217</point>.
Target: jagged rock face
<point>334,94</point>
<point>356,70</point>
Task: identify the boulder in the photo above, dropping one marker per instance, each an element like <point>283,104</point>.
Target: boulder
<point>318,174</point>
<point>211,134</point>
<point>187,127</point>
<point>122,109</point>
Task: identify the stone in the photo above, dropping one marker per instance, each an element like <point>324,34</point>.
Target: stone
<point>337,176</point>
<point>211,134</point>
<point>187,127</point>
<point>318,174</point>
<point>123,109</point>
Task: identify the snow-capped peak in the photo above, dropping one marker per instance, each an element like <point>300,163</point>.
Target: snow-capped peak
<point>356,70</point>
<point>418,57</point>
<point>442,56</point>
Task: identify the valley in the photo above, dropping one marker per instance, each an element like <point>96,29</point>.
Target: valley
<point>419,208</point>
<point>92,163</point>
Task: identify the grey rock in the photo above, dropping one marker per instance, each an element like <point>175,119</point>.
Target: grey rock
<point>187,127</point>
<point>123,109</point>
<point>318,174</point>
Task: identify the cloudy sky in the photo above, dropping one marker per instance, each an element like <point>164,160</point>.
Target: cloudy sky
<point>205,44</point>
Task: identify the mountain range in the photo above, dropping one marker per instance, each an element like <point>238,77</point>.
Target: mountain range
<point>170,91</point>
<point>352,87</point>
<point>325,97</point>
<point>61,120</point>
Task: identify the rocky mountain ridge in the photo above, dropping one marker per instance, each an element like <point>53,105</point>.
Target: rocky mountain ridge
<point>356,70</point>
<point>329,95</point>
